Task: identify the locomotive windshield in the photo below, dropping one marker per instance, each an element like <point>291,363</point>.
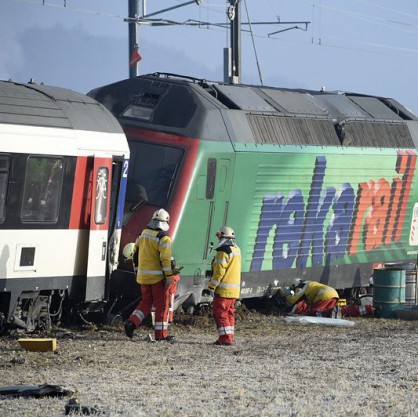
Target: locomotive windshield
<point>152,172</point>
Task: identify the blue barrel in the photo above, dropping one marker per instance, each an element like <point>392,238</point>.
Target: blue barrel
<point>388,291</point>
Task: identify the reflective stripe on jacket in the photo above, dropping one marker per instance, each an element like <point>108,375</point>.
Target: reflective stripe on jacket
<point>226,278</point>
<point>154,256</point>
<point>312,291</point>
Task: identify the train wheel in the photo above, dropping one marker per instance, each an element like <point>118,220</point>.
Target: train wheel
<point>113,319</point>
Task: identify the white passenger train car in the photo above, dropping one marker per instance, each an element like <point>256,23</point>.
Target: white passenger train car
<point>63,169</point>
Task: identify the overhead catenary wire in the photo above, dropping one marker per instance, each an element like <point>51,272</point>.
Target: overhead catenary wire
<point>389,9</point>
<point>373,20</point>
<point>253,42</point>
<point>214,7</point>
<point>65,6</point>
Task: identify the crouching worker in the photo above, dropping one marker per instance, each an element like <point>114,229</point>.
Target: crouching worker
<point>224,285</point>
<point>152,257</point>
<point>310,298</point>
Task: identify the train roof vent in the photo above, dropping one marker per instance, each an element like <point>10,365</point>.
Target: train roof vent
<point>279,130</point>
<point>161,85</point>
<point>146,99</point>
<point>295,102</point>
<point>400,109</point>
<point>374,107</point>
<point>340,107</point>
<point>142,106</point>
<point>242,98</point>
<point>377,134</point>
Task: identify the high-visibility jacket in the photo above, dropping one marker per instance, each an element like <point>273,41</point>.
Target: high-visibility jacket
<point>226,266</point>
<point>312,292</point>
<point>152,252</point>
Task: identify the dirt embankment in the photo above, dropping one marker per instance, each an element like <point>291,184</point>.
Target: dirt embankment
<point>276,369</point>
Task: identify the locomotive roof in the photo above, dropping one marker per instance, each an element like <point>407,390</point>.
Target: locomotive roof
<point>258,114</point>
<point>47,106</point>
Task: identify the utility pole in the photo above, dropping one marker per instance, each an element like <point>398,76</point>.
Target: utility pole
<point>134,20</point>
<point>234,15</point>
<point>133,39</point>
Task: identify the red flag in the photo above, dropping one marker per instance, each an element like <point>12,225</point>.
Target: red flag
<point>135,58</point>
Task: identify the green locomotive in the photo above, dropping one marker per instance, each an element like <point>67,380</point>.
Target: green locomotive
<point>319,185</point>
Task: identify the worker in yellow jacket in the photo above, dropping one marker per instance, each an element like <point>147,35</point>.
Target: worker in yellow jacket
<point>152,257</point>
<point>311,298</point>
<point>225,284</point>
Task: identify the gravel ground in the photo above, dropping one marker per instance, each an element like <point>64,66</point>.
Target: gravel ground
<point>276,369</point>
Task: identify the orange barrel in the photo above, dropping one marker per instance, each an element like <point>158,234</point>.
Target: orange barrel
<point>388,291</point>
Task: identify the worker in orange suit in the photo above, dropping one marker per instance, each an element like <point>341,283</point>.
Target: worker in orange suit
<point>153,253</point>
<point>171,289</point>
<point>311,298</point>
<point>225,284</point>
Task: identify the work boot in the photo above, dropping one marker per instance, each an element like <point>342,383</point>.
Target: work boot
<point>168,339</point>
<point>129,328</point>
<point>219,343</point>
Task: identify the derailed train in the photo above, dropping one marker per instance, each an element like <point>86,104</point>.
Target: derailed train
<point>63,171</point>
<point>318,185</point>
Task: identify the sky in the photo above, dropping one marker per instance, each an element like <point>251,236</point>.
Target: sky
<point>362,46</point>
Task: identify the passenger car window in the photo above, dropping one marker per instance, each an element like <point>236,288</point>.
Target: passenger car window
<point>42,189</point>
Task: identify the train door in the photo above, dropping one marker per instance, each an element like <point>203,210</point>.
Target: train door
<point>118,165</point>
<point>218,192</point>
<point>99,226</point>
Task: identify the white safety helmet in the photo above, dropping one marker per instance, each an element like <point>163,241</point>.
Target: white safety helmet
<point>296,283</point>
<point>225,232</point>
<point>161,215</point>
<point>128,250</point>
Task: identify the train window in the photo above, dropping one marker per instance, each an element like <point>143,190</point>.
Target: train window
<point>138,112</point>
<point>210,178</point>
<point>152,172</point>
<point>102,191</point>
<point>4,179</point>
<point>42,189</point>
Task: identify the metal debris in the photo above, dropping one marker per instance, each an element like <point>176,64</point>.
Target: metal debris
<point>74,407</point>
<point>37,391</point>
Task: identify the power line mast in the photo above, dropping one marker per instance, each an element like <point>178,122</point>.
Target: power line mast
<point>135,20</point>
<point>232,55</point>
<point>133,11</point>
<point>234,66</point>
